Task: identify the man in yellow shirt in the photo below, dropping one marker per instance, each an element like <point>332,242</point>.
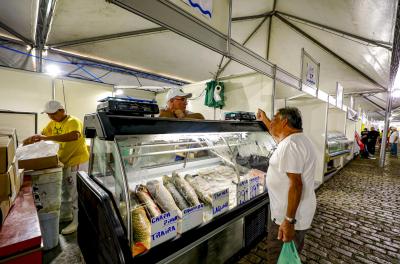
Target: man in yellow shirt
<point>68,132</point>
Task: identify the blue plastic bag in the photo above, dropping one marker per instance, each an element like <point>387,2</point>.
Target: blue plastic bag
<point>289,254</point>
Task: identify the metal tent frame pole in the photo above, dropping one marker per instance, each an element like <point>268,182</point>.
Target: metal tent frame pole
<point>169,15</point>
<point>109,37</point>
<point>294,27</point>
<point>378,43</point>
<point>142,74</point>
<point>45,17</point>
<point>382,154</point>
<point>394,67</point>
<point>269,31</point>
<point>223,68</point>
<point>373,103</point>
<point>16,34</point>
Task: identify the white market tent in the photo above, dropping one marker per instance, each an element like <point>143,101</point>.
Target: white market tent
<point>352,40</point>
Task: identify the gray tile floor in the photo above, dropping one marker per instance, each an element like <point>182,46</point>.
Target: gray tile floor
<point>357,218</point>
<point>67,251</point>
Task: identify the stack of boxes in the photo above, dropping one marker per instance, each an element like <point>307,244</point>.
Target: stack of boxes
<point>45,173</point>
<point>11,177</point>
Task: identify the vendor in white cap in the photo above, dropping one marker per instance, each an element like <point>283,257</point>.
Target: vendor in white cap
<point>176,105</point>
<point>68,132</point>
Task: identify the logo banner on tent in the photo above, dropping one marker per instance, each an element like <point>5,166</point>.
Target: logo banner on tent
<point>351,102</point>
<point>204,7</point>
<point>309,70</point>
<point>339,95</point>
<point>352,114</point>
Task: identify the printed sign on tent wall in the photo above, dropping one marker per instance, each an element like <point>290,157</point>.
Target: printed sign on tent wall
<point>351,102</point>
<point>339,95</point>
<point>204,7</point>
<point>309,70</point>
<point>352,114</point>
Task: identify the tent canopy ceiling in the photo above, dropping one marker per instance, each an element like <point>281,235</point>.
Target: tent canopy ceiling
<point>141,52</point>
<point>96,18</point>
<point>367,18</point>
<point>242,8</point>
<point>20,16</point>
<point>348,28</point>
<point>373,61</point>
<point>6,34</point>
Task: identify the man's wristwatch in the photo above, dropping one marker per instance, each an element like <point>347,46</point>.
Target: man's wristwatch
<point>291,220</point>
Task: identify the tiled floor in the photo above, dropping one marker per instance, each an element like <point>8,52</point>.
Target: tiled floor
<point>357,218</point>
<point>67,251</point>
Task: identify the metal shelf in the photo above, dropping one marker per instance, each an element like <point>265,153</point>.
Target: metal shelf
<point>338,154</point>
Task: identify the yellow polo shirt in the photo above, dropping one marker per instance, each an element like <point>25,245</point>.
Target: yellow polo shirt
<point>70,153</point>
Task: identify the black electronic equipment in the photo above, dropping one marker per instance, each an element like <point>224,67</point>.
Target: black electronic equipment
<point>128,106</point>
<point>240,115</point>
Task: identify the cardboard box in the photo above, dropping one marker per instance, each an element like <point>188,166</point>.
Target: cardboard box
<point>6,180</point>
<point>39,163</point>
<point>4,209</point>
<point>7,153</point>
<point>15,183</point>
<point>9,184</point>
<point>11,132</point>
<point>17,177</point>
<point>21,173</point>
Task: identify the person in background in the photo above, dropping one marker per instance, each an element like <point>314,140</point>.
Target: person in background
<point>290,181</point>
<point>364,138</point>
<point>394,140</point>
<point>373,136</point>
<point>362,147</point>
<point>176,105</point>
<point>73,153</point>
<point>390,130</point>
<point>380,139</point>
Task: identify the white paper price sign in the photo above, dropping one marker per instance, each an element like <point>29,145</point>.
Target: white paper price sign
<point>242,192</point>
<point>254,182</point>
<point>191,217</point>
<point>220,202</point>
<point>164,227</point>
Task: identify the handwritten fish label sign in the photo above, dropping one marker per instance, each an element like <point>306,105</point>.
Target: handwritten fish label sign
<point>164,227</point>
<point>220,202</point>
<point>191,217</point>
<point>242,192</point>
<point>254,185</point>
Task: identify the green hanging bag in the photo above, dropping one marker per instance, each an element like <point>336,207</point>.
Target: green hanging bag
<point>214,94</point>
<point>289,254</point>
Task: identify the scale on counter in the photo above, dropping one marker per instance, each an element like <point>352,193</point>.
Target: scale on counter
<point>127,106</point>
<point>240,116</point>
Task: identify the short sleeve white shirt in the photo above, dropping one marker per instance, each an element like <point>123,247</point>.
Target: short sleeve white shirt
<point>393,136</point>
<point>294,154</point>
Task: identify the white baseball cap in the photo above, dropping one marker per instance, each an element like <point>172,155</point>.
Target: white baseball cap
<point>52,106</point>
<point>174,92</point>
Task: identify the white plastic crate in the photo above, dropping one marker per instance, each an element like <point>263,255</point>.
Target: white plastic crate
<point>49,225</point>
<point>47,184</point>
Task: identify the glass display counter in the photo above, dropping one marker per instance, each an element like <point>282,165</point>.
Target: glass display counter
<point>170,189</point>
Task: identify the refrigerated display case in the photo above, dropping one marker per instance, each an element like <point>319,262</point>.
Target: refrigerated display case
<point>338,146</point>
<point>168,190</point>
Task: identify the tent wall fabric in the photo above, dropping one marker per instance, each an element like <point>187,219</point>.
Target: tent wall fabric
<point>28,91</point>
<point>242,93</point>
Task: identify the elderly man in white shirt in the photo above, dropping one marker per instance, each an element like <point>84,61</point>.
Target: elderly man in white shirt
<point>290,181</point>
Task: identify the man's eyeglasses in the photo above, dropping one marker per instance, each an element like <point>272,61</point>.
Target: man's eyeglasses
<point>181,99</point>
